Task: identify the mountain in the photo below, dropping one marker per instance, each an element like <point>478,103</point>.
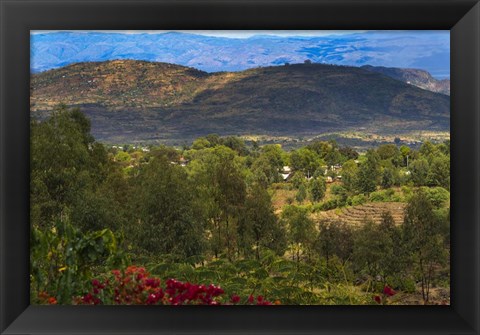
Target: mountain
<point>429,50</point>
<point>416,77</point>
<point>130,101</point>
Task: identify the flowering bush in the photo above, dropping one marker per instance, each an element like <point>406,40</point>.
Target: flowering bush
<point>135,286</point>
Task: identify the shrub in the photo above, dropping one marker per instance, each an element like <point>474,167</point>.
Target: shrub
<point>135,286</point>
<point>357,200</point>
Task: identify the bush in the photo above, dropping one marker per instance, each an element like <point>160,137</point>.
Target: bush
<point>356,200</point>
<point>328,205</point>
<point>135,286</point>
<point>338,190</point>
<point>384,195</point>
<point>437,195</point>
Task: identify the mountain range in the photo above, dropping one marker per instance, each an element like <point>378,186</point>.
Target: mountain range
<point>137,101</point>
<point>427,50</point>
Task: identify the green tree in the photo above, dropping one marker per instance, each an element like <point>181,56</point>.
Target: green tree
<point>391,153</point>
<point>371,248</point>
<point>439,172</point>
<point>300,230</point>
<point>387,178</point>
<point>64,161</point>
<point>301,193</point>
<point>219,177</point>
<point>317,189</point>
<point>334,239</point>
<point>165,202</point>
<point>259,227</point>
<point>349,175</point>
<point>306,161</point>
<point>423,240</point>
<point>368,173</point>
<point>419,171</point>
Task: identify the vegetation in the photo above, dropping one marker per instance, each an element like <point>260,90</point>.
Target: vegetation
<point>223,222</point>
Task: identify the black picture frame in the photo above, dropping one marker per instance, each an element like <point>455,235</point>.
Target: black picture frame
<point>18,17</point>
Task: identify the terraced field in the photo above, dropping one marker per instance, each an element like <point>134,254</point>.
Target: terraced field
<point>356,215</point>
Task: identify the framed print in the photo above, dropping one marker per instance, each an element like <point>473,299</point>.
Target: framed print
<point>318,159</point>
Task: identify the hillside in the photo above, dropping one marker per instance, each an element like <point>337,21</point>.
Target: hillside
<point>147,101</point>
<point>416,77</point>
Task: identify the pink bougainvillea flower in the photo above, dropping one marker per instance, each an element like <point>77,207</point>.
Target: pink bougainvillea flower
<point>388,291</point>
<point>235,299</point>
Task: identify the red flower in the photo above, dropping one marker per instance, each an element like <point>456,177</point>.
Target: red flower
<point>152,282</point>
<point>377,299</point>
<point>388,291</point>
<point>52,301</point>
<point>235,299</point>
<point>250,298</point>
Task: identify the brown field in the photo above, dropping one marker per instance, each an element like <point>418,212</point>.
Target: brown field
<point>356,215</point>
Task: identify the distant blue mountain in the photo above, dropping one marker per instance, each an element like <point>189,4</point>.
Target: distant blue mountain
<point>426,50</point>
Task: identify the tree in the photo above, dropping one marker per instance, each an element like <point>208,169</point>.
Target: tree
<point>219,178</point>
<point>300,229</point>
<point>423,240</point>
<point>372,248</point>
<point>405,152</point>
<point>349,175</point>
<point>306,161</point>
<point>419,170</point>
<point>334,239</point>
<point>301,193</point>
<point>387,178</point>
<point>317,189</point>
<point>201,143</point>
<point>64,162</point>
<point>165,201</point>
<point>428,149</point>
<point>259,226</point>
<point>391,153</point>
<point>368,173</point>
<point>348,153</point>
<point>236,144</point>
<point>439,172</point>
<point>298,179</point>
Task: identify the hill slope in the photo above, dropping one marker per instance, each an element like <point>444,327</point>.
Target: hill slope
<point>144,101</point>
<point>416,77</point>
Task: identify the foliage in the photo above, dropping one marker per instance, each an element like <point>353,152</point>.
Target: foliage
<point>216,212</point>
<point>63,259</point>
<point>368,173</point>
<point>317,189</point>
<point>166,207</point>
<point>423,239</point>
